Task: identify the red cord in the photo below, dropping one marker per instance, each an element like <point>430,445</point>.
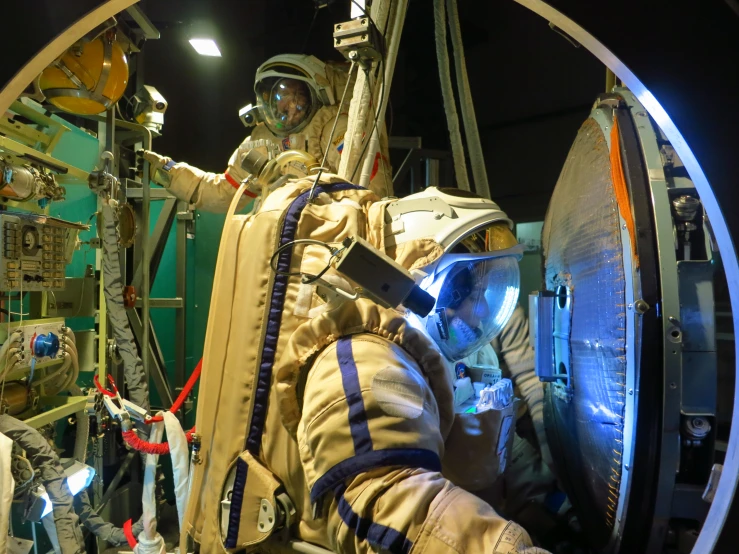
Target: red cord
<point>140,445</point>
<point>184,394</point>
<point>104,391</point>
<point>132,438</point>
<point>128,531</point>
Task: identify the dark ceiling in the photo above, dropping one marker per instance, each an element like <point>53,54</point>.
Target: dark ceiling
<point>530,86</point>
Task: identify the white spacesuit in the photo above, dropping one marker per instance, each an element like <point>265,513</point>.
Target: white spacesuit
<point>297,108</point>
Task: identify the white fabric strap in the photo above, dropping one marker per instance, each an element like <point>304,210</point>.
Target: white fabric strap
<point>148,498</point>
<point>7,488</point>
<point>178,451</point>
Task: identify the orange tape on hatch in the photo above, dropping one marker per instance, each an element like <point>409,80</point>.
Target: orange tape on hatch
<point>619,187</point>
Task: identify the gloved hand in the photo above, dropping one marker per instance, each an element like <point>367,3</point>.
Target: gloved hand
<point>156,162</point>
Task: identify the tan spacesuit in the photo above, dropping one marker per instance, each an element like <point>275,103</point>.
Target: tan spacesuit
<point>298,101</point>
<point>325,419</point>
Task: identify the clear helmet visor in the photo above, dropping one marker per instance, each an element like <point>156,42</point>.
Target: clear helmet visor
<point>476,295</point>
<point>286,104</point>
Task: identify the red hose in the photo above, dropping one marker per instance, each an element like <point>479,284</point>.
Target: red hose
<point>140,445</point>
<point>184,394</point>
<point>162,448</point>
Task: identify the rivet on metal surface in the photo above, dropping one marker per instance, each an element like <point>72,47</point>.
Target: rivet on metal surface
<point>631,391</point>
<point>641,306</point>
<point>673,385</point>
<point>630,306</point>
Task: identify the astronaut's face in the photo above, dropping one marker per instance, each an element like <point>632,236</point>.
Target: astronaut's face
<point>473,309</point>
<point>290,102</point>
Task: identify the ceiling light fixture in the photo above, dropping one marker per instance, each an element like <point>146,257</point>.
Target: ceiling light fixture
<point>205,47</point>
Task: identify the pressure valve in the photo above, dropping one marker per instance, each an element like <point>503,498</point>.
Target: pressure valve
<point>45,346</point>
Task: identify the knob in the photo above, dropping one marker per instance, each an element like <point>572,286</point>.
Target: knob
<point>45,346</point>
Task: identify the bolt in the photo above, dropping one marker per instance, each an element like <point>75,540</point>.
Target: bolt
<point>641,114</point>
<point>630,306</point>
<point>354,55</point>
<point>641,306</point>
<point>631,391</point>
<point>673,385</point>
<point>623,226</point>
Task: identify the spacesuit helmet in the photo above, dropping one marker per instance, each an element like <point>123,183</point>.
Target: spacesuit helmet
<point>476,280</point>
<point>290,88</point>
<point>88,78</point>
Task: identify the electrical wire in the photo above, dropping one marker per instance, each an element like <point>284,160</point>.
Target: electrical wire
<point>293,243</point>
<point>331,134</point>
<point>310,30</point>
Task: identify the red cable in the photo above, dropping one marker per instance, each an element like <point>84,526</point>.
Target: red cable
<point>162,448</point>
<point>184,394</point>
<point>128,531</point>
<point>102,390</point>
<point>140,445</point>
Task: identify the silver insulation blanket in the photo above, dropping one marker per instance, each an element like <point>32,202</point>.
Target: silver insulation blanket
<point>582,250</point>
<point>133,368</point>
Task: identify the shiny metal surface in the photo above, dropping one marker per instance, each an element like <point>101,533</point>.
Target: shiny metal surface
<point>583,252</point>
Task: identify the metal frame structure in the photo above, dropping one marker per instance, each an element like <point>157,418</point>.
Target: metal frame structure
<point>173,212</point>
<point>438,167</point>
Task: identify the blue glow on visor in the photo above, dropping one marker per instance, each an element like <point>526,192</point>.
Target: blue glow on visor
<point>475,297</point>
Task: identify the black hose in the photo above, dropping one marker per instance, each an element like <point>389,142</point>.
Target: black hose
<point>98,526</point>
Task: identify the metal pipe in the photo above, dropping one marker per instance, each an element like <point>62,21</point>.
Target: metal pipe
<point>146,261</point>
<point>610,80</point>
<point>180,357</point>
<point>146,255</point>
<point>113,486</point>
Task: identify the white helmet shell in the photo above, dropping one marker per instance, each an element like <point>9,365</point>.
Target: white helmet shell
<point>446,216</point>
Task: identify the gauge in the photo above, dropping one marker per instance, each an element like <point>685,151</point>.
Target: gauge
<point>30,240</point>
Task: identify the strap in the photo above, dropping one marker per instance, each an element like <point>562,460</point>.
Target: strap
<point>235,184</point>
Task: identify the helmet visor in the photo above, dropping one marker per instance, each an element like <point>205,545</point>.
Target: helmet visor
<point>287,104</point>
<point>475,297</point>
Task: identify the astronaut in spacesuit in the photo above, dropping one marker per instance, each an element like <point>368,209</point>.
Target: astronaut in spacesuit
<point>345,406</point>
<point>298,99</point>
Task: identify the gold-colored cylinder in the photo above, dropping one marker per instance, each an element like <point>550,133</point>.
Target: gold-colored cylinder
<point>15,399</point>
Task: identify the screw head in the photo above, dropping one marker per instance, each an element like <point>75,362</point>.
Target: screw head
<point>641,306</point>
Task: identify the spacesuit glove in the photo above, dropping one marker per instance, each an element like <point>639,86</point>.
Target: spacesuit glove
<point>156,163</point>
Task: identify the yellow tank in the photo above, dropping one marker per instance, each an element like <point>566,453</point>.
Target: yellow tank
<point>87,80</point>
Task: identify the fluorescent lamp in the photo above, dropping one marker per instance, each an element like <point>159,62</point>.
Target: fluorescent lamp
<point>205,47</point>
<point>79,477</point>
